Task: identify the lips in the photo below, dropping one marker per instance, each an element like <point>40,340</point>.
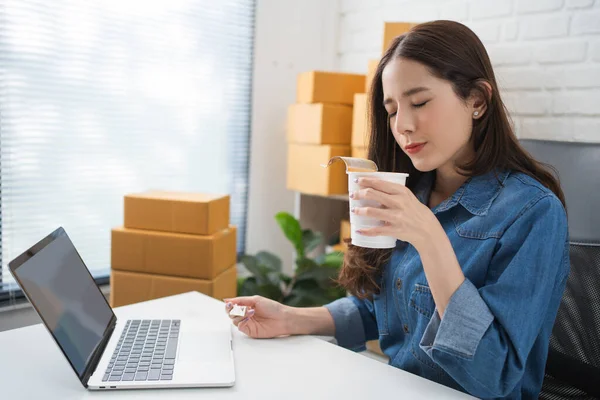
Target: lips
<point>414,148</point>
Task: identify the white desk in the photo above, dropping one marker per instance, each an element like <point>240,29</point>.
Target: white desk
<point>300,367</point>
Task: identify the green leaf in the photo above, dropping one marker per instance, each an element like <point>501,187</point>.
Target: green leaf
<point>291,228</point>
<point>305,264</point>
<point>333,260</point>
<point>324,276</point>
<point>311,240</point>
<point>274,278</point>
<point>307,294</point>
<point>286,279</point>
<point>270,291</point>
<point>269,260</point>
<point>248,287</point>
<point>252,265</point>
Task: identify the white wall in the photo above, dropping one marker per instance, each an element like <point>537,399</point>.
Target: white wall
<point>285,45</point>
<point>546,54</point>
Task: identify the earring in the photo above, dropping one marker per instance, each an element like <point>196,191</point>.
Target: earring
<point>476,113</point>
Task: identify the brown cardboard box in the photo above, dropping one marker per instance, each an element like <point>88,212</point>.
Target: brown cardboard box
<point>174,254</point>
<point>195,213</point>
<point>319,123</point>
<point>393,29</point>
<point>373,345</point>
<point>360,125</point>
<point>328,87</point>
<point>305,173</point>
<point>371,68</point>
<point>345,232</point>
<point>360,152</point>
<point>134,287</point>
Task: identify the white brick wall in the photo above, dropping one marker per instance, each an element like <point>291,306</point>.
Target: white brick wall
<point>546,54</point>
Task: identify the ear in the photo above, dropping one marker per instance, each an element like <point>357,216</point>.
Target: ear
<point>480,96</point>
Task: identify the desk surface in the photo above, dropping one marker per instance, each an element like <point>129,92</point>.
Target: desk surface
<point>299,367</point>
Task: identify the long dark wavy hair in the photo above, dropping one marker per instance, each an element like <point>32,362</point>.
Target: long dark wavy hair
<point>450,51</point>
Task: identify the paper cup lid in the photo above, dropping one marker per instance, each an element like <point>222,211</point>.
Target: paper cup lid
<point>354,164</point>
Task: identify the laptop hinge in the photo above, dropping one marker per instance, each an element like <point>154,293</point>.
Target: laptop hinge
<point>97,355</point>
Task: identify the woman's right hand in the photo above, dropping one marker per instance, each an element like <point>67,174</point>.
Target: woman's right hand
<point>265,318</point>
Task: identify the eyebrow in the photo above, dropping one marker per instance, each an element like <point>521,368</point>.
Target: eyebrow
<point>409,92</point>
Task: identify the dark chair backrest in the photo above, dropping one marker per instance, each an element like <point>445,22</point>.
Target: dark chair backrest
<point>573,366</point>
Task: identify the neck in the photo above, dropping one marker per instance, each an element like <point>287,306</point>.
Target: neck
<point>447,181</point>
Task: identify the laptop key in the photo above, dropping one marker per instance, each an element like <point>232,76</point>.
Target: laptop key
<point>166,377</point>
<point>169,362</point>
<point>128,377</point>
<point>154,374</point>
<point>141,376</point>
<point>105,378</point>
<point>114,378</point>
<point>116,373</point>
<point>130,371</point>
<point>145,368</point>
<point>167,367</point>
<point>171,349</point>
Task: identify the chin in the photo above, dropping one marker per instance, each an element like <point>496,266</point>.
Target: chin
<point>423,165</point>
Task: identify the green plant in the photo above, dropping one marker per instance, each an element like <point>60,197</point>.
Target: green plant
<point>312,283</point>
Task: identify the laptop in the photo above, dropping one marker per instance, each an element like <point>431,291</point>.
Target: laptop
<point>108,353</point>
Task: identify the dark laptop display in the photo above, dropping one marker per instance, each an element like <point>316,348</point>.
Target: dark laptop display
<point>60,287</point>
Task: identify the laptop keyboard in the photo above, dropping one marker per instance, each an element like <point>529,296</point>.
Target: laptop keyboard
<point>146,351</point>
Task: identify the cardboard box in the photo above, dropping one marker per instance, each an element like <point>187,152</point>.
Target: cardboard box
<point>174,254</point>
<point>134,287</point>
<point>306,175</point>
<point>360,121</point>
<point>194,213</point>
<point>360,152</point>
<point>345,232</point>
<point>319,123</point>
<point>371,69</point>
<point>373,345</point>
<point>328,87</point>
<point>393,29</point>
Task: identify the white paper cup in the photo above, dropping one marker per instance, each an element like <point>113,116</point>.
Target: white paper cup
<point>360,222</point>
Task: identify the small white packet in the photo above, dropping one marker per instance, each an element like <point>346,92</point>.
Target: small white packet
<point>238,311</point>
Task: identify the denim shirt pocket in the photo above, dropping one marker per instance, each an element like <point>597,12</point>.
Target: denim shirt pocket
<point>422,307</point>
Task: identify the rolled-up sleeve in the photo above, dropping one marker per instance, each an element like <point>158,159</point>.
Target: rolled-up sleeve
<point>355,322</point>
<point>484,338</point>
<point>466,319</point>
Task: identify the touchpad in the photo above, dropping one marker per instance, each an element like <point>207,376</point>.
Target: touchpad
<point>207,347</point>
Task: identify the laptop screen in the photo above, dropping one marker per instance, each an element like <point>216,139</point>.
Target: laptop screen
<point>62,290</point>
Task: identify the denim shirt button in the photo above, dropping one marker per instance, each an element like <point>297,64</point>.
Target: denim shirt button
<point>399,283</point>
<point>405,328</point>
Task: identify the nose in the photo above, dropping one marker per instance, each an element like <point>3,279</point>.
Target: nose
<point>402,123</point>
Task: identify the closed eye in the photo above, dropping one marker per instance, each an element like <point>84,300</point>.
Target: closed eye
<point>420,104</point>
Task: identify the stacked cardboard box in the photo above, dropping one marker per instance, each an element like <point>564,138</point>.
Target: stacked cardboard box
<point>360,119</point>
<point>319,126</point>
<point>173,243</point>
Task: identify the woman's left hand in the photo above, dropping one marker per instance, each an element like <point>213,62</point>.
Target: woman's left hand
<point>405,217</point>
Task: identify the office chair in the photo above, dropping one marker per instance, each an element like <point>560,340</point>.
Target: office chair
<point>573,365</point>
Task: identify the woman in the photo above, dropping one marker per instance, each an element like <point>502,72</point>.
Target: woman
<point>470,293</point>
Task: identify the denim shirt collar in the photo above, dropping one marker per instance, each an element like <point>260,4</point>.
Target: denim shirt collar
<point>475,195</point>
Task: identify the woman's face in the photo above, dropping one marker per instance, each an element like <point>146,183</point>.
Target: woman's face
<point>429,121</point>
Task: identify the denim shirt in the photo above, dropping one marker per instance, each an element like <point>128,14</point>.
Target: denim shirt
<point>510,237</point>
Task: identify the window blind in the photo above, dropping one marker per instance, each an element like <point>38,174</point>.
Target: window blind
<point>103,98</point>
